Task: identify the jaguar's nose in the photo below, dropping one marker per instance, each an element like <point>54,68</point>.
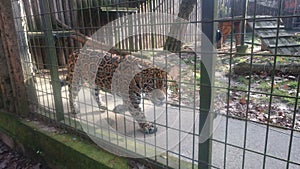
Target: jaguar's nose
<point>161,101</point>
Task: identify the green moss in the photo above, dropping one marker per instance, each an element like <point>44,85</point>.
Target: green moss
<point>61,149</point>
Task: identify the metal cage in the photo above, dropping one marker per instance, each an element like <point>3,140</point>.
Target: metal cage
<point>235,103</point>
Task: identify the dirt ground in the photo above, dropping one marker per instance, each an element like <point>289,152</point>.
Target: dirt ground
<point>10,159</point>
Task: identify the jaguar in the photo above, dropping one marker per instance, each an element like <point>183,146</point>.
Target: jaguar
<point>112,74</point>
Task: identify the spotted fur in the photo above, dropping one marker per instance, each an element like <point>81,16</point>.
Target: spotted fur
<point>149,80</point>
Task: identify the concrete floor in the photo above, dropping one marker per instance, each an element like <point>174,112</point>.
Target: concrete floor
<point>175,133</point>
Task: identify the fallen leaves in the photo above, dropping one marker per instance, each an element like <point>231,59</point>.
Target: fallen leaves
<point>278,114</point>
<point>263,97</point>
<point>10,159</point>
<point>243,101</point>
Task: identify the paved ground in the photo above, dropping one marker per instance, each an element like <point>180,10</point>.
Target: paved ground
<point>278,146</point>
<point>170,139</point>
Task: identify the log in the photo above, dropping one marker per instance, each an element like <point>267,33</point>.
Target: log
<point>247,69</point>
<point>185,9</point>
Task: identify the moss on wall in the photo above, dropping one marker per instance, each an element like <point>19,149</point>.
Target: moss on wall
<point>64,150</point>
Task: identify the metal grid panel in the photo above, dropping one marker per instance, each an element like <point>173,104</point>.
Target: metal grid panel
<point>259,106</point>
<point>268,141</point>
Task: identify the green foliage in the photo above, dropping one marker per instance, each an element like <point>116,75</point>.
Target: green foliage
<point>242,80</point>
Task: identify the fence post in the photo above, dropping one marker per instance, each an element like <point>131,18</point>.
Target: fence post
<point>207,73</point>
<point>52,58</point>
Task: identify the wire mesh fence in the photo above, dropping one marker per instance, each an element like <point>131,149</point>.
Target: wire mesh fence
<point>141,82</point>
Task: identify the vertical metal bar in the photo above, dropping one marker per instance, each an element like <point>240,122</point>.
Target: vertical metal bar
<point>272,84</point>
<point>229,85</point>
<point>243,29</point>
<point>52,58</point>
<point>195,84</point>
<point>293,125</point>
<point>249,87</point>
<point>208,27</point>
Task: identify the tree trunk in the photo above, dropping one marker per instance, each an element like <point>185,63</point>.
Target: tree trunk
<point>185,9</point>
<point>12,79</point>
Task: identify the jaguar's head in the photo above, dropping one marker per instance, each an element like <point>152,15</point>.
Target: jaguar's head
<point>158,97</point>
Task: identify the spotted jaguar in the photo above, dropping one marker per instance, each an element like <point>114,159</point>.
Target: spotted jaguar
<point>112,74</point>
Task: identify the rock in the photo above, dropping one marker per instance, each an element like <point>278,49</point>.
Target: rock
<point>292,77</point>
<point>266,115</point>
<point>280,119</point>
<point>261,117</point>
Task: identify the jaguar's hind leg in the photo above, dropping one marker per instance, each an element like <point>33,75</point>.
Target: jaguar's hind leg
<point>73,93</point>
<point>98,100</point>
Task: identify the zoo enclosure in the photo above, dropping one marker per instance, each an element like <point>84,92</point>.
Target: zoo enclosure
<point>50,34</point>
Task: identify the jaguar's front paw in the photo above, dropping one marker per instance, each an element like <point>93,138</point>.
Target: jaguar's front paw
<point>101,107</point>
<point>149,128</point>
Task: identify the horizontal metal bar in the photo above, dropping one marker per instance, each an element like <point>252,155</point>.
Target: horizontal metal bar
<point>118,9</point>
<point>55,33</point>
